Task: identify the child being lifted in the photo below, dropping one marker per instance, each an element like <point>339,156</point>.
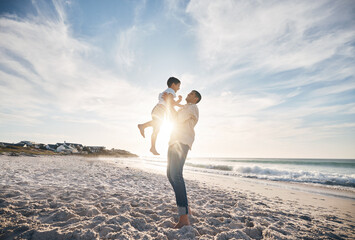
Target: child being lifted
<point>159,112</point>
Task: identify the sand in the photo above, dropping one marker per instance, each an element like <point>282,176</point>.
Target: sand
<point>84,198</point>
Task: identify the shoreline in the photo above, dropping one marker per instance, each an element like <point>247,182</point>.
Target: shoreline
<point>69,197</point>
<point>321,189</point>
<point>288,191</point>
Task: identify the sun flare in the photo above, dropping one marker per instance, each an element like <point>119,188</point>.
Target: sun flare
<point>163,136</point>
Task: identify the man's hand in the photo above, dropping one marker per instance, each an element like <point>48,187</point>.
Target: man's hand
<point>168,98</point>
<point>165,96</point>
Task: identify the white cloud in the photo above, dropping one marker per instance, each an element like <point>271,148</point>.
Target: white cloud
<point>276,35</point>
<point>43,65</point>
<point>125,53</point>
<point>129,45</point>
<point>245,44</point>
<point>49,82</point>
<point>129,41</point>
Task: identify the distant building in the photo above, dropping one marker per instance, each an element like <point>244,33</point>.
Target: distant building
<point>95,149</point>
<point>58,144</point>
<point>66,149</point>
<point>78,146</point>
<point>74,145</point>
<point>28,143</point>
<point>51,147</point>
<point>41,146</point>
<point>20,144</point>
<point>5,144</point>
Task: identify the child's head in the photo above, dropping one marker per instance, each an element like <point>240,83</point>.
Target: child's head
<point>174,83</point>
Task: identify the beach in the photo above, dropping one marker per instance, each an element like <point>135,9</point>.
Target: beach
<point>71,197</point>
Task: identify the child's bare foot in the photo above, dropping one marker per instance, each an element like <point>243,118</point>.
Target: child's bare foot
<point>154,151</point>
<point>141,129</point>
<point>183,221</point>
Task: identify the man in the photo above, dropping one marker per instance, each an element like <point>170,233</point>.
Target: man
<point>180,143</point>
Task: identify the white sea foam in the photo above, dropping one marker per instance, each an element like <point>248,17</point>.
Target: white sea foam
<point>329,172</point>
<point>297,176</point>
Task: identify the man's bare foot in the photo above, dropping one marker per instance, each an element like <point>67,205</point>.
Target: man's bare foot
<point>154,151</point>
<point>141,129</point>
<point>183,221</point>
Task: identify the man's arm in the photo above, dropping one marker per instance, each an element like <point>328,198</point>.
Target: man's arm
<point>170,105</point>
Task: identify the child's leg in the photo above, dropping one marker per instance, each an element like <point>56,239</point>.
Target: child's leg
<point>156,129</point>
<point>143,126</point>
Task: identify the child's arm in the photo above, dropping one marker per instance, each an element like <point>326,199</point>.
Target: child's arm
<point>177,102</point>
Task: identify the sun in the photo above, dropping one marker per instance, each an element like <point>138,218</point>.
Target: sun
<point>164,136</point>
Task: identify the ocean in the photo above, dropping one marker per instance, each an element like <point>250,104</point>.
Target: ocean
<point>329,173</point>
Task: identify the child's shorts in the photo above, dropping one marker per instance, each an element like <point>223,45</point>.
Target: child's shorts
<point>158,112</point>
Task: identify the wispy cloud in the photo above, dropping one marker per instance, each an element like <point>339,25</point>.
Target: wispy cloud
<point>43,67</point>
<point>280,67</point>
<point>125,52</point>
<point>339,88</point>
<point>274,35</point>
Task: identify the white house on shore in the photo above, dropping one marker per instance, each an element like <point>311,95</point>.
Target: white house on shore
<point>66,149</point>
<point>95,149</point>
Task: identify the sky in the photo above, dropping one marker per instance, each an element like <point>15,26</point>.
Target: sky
<point>276,77</point>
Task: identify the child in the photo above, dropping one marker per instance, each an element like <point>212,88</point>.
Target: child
<point>159,111</point>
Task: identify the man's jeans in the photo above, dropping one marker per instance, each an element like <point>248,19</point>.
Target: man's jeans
<point>176,159</point>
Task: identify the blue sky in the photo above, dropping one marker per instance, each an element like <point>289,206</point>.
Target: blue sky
<point>277,77</point>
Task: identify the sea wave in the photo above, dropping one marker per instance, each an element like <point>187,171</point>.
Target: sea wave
<point>211,166</point>
<point>265,173</point>
<point>347,163</point>
<point>297,176</point>
<point>325,175</point>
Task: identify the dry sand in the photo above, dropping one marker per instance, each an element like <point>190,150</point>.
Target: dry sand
<point>83,198</point>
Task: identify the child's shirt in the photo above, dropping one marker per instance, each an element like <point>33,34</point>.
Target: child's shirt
<point>169,91</point>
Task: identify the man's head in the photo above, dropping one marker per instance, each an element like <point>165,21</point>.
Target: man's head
<point>174,83</point>
<point>193,97</point>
